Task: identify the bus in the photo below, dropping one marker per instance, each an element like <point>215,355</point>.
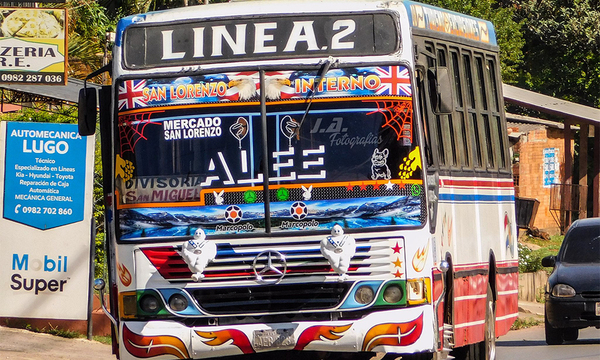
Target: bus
<point>306,179</point>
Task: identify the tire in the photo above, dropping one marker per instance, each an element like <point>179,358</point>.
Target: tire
<point>553,336</point>
<point>570,334</point>
<point>488,346</point>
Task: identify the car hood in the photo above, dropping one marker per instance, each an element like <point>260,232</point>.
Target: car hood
<point>582,277</point>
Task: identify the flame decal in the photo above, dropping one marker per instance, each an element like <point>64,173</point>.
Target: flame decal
<point>402,334</point>
<point>124,274</point>
<point>320,333</point>
<point>420,257</point>
<point>148,346</point>
<point>216,338</point>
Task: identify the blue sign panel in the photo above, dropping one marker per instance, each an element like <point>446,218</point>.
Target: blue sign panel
<point>44,180</point>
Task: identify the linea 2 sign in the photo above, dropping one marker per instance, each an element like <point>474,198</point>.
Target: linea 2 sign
<point>46,205</point>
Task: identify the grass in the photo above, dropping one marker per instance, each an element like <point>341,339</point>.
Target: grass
<point>525,323</point>
<point>531,260</point>
<point>103,339</point>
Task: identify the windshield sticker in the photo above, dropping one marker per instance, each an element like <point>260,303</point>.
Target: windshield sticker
<point>282,85</point>
<point>379,168</point>
<point>351,213</point>
<point>239,130</point>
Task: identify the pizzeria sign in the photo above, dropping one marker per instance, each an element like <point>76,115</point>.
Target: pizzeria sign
<point>33,47</point>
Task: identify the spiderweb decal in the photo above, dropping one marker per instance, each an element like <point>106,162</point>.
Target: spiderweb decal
<point>398,116</point>
<point>131,129</point>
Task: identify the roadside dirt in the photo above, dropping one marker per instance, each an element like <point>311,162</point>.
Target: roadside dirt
<point>18,344</point>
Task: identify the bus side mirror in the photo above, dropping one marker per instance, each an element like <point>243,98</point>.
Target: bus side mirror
<point>444,91</point>
<point>87,110</point>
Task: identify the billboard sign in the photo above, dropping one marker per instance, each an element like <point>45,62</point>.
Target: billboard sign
<point>33,46</point>
<point>46,215</point>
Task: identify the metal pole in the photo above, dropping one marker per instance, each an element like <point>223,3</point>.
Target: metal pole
<point>90,288</point>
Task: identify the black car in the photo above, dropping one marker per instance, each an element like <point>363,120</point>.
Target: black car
<point>573,289</point>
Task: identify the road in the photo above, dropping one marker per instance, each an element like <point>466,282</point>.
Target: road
<point>530,344</point>
<point>18,344</point>
<point>526,344</point>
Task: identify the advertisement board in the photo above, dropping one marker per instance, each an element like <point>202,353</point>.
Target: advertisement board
<point>46,216</point>
<point>33,46</point>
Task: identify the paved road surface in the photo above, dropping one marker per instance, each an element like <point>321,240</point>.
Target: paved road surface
<point>17,344</point>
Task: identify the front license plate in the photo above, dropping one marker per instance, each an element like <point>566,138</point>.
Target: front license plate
<point>273,338</point>
<point>598,309</point>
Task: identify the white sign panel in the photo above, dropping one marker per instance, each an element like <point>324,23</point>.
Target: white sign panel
<point>46,213</point>
<point>551,167</point>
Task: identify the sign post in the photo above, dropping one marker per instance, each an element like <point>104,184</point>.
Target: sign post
<point>46,204</point>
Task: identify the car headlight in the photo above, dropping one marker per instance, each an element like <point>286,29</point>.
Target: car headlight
<point>563,290</point>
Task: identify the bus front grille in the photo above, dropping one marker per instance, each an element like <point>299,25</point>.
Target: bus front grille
<point>234,263</point>
<point>270,298</point>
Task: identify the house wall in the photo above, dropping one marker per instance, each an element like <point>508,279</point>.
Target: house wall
<point>529,172</point>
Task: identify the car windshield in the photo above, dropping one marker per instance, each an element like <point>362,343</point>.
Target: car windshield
<point>582,245</point>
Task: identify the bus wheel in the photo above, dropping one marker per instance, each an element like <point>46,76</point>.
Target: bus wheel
<point>489,342</point>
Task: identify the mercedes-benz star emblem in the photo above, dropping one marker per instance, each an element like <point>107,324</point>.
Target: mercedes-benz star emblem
<point>269,262</point>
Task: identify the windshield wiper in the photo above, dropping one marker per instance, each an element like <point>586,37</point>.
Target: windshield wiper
<point>321,76</point>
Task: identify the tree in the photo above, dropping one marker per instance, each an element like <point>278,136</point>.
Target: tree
<point>562,51</point>
<point>508,31</point>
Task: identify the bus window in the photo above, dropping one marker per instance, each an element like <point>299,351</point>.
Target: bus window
<point>475,128</point>
<point>460,123</point>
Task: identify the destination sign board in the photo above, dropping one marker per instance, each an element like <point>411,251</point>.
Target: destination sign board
<point>199,42</point>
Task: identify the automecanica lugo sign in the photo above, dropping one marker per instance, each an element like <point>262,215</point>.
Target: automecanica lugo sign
<point>45,169</point>
<point>46,219</point>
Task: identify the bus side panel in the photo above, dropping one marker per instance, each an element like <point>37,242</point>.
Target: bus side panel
<point>470,294</point>
<point>507,308</point>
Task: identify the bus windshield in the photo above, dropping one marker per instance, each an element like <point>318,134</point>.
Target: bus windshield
<point>191,153</point>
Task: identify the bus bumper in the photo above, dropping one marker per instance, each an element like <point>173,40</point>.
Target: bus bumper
<point>406,330</point>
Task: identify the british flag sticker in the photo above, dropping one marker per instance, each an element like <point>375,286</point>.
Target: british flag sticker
<point>131,94</point>
<point>395,80</point>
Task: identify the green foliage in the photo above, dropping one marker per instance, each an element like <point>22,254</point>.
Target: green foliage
<point>531,260</point>
<point>65,115</point>
<point>562,48</point>
<point>508,30</point>
<point>525,323</point>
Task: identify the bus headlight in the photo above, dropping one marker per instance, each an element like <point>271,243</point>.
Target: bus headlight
<point>178,302</point>
<point>149,304</point>
<point>392,294</point>
<point>364,295</point>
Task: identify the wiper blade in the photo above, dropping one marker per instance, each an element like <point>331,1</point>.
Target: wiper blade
<point>321,76</point>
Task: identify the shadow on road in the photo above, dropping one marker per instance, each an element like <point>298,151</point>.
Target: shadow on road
<point>528,343</point>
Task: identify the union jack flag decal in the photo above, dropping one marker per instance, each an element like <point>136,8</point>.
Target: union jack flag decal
<point>131,94</point>
<point>395,80</point>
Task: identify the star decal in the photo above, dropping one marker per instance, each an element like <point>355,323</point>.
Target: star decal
<point>349,187</point>
<point>363,187</point>
<point>389,185</point>
<point>397,248</point>
<point>397,263</point>
<point>398,274</point>
<point>377,185</point>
